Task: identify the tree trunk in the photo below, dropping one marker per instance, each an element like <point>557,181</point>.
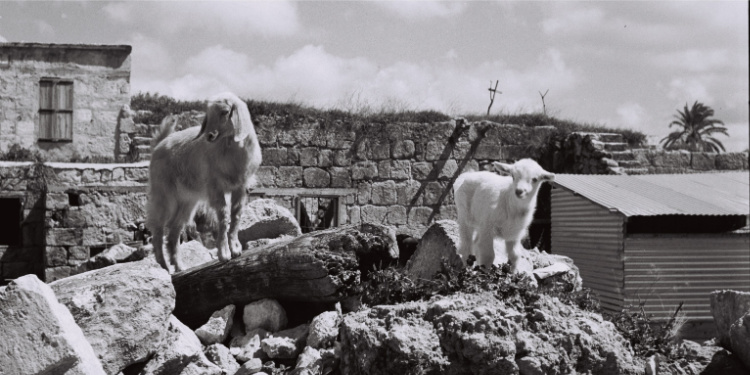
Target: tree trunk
<point>322,266</point>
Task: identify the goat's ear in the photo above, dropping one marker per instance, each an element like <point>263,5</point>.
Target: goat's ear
<point>203,126</point>
<point>502,168</point>
<point>243,125</point>
<point>547,177</point>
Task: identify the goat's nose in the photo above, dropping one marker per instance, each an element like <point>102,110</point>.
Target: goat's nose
<point>519,193</point>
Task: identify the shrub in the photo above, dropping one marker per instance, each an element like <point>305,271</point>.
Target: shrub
<point>648,336</point>
<point>155,107</point>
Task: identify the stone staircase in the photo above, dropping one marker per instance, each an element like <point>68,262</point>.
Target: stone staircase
<point>620,158</point>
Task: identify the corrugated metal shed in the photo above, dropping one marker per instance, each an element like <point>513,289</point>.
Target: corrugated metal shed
<point>676,194</point>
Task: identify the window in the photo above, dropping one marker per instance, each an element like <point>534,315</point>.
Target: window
<point>316,212</point>
<point>55,110</point>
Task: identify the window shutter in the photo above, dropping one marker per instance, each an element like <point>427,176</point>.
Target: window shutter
<point>55,110</point>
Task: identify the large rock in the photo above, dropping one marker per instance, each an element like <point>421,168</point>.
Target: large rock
<point>438,244</point>
<point>479,334</point>
<point>118,253</point>
<point>39,335</point>
<point>324,329</point>
<point>193,254</point>
<point>263,218</point>
<point>218,326</point>
<point>739,336</point>
<point>266,313</point>
<point>180,353</point>
<point>247,347</point>
<point>286,344</point>
<point>123,310</point>
<point>727,306</point>
<point>220,356</point>
<point>555,271</point>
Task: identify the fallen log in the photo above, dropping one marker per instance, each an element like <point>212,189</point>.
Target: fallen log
<point>323,266</point>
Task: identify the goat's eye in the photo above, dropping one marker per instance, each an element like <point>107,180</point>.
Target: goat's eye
<point>534,180</point>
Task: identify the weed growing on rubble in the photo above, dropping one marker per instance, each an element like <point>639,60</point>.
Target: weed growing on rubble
<point>649,336</point>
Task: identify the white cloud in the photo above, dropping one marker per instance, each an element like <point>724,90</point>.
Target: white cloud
<point>422,10</point>
<point>633,115</point>
<point>235,18</point>
<point>316,77</point>
<point>693,60</point>
<point>573,21</point>
<point>120,12</point>
<point>44,28</point>
<point>3,40</point>
<point>683,90</point>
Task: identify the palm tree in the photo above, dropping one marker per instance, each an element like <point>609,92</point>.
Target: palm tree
<point>697,130</point>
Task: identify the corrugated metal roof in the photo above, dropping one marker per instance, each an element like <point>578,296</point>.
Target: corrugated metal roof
<point>725,193</point>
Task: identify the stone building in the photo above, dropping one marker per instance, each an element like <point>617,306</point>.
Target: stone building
<point>63,100</point>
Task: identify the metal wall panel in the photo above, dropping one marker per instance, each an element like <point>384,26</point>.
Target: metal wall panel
<point>592,236</point>
<point>664,270</point>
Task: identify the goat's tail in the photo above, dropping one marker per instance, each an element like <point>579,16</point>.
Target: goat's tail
<point>165,128</point>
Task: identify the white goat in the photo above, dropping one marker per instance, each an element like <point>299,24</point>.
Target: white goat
<point>491,206</point>
<point>213,164</point>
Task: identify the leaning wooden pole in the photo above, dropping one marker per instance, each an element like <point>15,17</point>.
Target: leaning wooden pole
<point>323,266</point>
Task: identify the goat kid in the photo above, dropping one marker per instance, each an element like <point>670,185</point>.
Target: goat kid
<point>493,208</point>
<point>214,164</point>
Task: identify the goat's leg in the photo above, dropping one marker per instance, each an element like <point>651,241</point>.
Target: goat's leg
<point>157,241</point>
<point>238,201</point>
<point>218,201</point>
<point>520,263</point>
<point>182,216</point>
<point>485,251</point>
<point>466,234</point>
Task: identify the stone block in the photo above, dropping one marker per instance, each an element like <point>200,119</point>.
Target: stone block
<point>396,215</point>
<point>434,190</point>
<point>383,193</point>
<point>340,177</point>
<point>407,193</point>
<point>118,174</point>
<point>216,329</point>
<point>63,237</point>
<point>55,256</point>
<point>127,125</point>
<point>266,176</point>
<point>364,170</point>
<point>449,169</point>
<point>77,255</point>
<point>342,158</point>
<point>421,170</point>
<point>266,313</point>
<point>364,192</point>
<point>56,201</point>
<point>287,177</point>
<point>106,175</point>
<point>354,214</point>
<point>293,156</point>
<point>461,150</point>
<point>94,236</point>
<point>419,216</point>
<point>434,151</point>
<point>394,169</point>
<point>727,306</point>
<point>308,156</point>
<point>324,330</point>
<point>68,176</point>
<point>489,150</point>
<point>40,334</point>
<point>139,174</point>
<point>275,156</point>
<point>402,149</point>
<point>316,178</point>
<point>373,214</point>
<point>325,158</point>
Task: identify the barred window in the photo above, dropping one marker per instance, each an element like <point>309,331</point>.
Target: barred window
<point>55,110</point>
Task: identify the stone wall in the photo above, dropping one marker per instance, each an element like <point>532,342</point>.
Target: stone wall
<point>101,87</point>
<point>86,208</point>
<point>660,161</point>
<point>399,174</point>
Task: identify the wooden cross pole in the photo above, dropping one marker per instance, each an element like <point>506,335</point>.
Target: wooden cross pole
<point>544,107</point>
<point>492,95</point>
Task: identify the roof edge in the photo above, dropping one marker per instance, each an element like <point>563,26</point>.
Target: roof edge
<point>103,47</point>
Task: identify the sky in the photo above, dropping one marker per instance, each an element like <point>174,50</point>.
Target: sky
<point>618,64</point>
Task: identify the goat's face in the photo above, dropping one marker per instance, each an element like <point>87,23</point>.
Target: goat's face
<point>527,176</point>
<point>226,115</point>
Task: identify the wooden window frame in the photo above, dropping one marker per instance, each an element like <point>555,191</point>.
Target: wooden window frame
<point>53,111</point>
